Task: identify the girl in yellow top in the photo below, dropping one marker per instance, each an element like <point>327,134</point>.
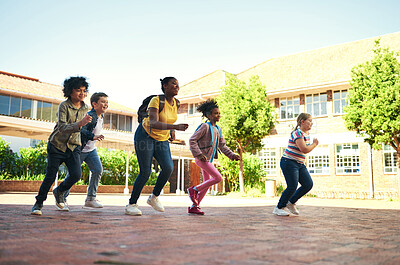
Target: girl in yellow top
<point>151,140</point>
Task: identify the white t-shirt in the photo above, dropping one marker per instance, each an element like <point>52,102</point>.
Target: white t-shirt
<point>90,146</point>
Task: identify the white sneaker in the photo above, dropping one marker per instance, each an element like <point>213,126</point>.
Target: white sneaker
<point>155,203</point>
<point>280,212</point>
<point>292,208</point>
<point>93,204</point>
<point>132,209</point>
<point>65,209</point>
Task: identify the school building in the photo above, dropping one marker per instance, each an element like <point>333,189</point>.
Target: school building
<point>316,82</point>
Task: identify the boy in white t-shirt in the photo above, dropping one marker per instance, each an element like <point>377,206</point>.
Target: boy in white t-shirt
<point>99,102</point>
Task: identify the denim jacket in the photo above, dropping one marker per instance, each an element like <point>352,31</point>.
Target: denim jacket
<point>87,130</point>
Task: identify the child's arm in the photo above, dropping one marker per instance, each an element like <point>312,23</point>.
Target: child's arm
<point>226,151</point>
<point>193,141</point>
<point>86,131</point>
<point>63,124</point>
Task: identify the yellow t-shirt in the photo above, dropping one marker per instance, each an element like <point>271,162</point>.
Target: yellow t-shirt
<point>167,115</point>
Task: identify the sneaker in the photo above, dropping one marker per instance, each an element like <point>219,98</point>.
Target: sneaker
<point>280,212</point>
<point>59,196</point>
<point>292,208</point>
<point>37,208</point>
<point>193,194</point>
<point>155,203</point>
<point>195,210</point>
<point>132,209</point>
<point>65,209</point>
<point>93,204</point>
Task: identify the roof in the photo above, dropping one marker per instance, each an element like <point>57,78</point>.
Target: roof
<point>206,84</point>
<point>321,66</point>
<point>33,88</point>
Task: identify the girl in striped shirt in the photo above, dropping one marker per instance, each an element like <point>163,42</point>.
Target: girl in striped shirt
<point>293,166</point>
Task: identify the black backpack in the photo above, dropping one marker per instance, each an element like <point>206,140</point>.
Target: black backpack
<point>142,112</point>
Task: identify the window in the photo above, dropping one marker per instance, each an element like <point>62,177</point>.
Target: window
<point>318,161</point>
<point>347,159</point>
<point>15,107</point>
<point>26,108</point>
<point>339,101</point>
<point>121,122</point>
<point>54,109</point>
<point>128,124</point>
<point>192,109</point>
<point>389,159</point>
<point>268,156</point>
<point>107,121</point>
<point>316,104</point>
<point>46,111</point>
<point>290,108</point>
<point>4,104</point>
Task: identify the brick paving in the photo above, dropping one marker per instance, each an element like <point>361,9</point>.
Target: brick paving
<point>233,231</point>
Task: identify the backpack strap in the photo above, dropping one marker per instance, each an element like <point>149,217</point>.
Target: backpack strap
<point>212,139</point>
<point>161,105</point>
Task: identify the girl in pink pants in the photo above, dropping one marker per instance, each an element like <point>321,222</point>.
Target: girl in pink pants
<point>204,144</point>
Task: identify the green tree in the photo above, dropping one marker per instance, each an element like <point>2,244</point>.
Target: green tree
<point>8,160</point>
<point>247,116</point>
<point>374,100</point>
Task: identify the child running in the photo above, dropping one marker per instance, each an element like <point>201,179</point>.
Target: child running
<point>203,145</point>
<point>293,167</point>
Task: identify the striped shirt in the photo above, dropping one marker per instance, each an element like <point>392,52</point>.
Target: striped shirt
<point>292,151</point>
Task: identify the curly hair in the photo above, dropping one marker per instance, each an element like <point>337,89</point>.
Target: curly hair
<point>165,82</point>
<point>72,83</point>
<point>207,107</point>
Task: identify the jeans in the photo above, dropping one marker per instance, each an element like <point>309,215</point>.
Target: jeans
<point>294,173</point>
<point>207,169</point>
<point>55,158</point>
<point>146,148</point>
<point>92,160</point>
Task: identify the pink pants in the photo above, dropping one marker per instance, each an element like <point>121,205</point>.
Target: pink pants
<point>208,171</point>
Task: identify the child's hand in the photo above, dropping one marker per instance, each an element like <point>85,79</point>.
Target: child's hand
<point>315,141</point>
<point>182,126</point>
<point>236,157</point>
<point>85,120</point>
<point>98,137</point>
<point>203,158</point>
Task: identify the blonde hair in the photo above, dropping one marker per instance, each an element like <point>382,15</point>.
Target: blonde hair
<point>302,117</point>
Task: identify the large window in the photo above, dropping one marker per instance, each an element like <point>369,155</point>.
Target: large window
<point>347,159</point>
<point>117,122</point>
<point>318,161</point>
<point>290,108</point>
<point>268,156</point>
<point>26,108</point>
<point>389,159</point>
<point>316,104</point>
<point>339,101</point>
<point>15,107</point>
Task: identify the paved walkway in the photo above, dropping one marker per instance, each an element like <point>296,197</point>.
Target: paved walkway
<point>233,231</point>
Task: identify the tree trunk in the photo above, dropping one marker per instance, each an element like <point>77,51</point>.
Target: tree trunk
<point>398,172</point>
<point>241,181</point>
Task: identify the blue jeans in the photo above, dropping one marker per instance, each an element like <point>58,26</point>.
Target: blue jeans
<point>92,160</point>
<point>294,173</point>
<point>146,148</point>
<point>55,158</point>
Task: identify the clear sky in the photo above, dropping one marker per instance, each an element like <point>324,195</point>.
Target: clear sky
<point>124,47</point>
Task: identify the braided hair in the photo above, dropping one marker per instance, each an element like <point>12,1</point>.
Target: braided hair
<point>207,107</point>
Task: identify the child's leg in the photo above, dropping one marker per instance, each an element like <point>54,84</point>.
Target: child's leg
<point>290,170</point>
<point>208,171</point>
<point>306,184</point>
<point>162,154</point>
<point>55,158</point>
<point>92,160</point>
<point>73,163</point>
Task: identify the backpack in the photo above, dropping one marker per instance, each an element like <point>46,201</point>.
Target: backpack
<point>142,112</point>
<point>212,139</point>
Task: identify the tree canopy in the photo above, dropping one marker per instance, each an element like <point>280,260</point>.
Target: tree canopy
<point>247,116</point>
<point>374,100</point>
